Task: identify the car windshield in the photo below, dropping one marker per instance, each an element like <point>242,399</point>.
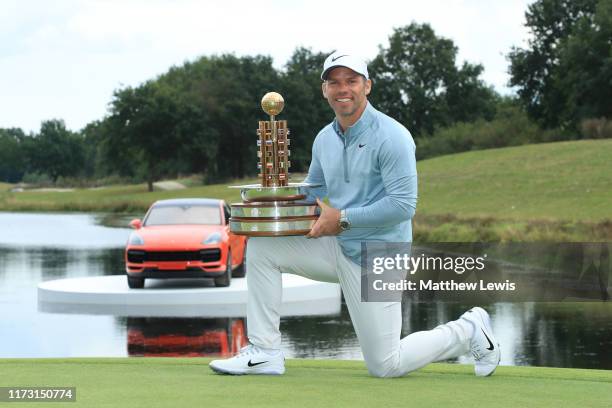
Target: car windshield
<point>184,214</point>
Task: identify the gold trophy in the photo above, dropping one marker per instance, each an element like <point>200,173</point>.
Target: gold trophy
<point>271,209</point>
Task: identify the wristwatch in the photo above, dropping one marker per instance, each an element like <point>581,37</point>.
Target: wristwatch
<point>345,224</point>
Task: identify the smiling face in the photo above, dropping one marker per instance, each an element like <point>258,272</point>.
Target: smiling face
<point>346,91</point>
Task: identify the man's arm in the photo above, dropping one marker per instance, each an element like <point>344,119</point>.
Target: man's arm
<point>398,170</point>
<point>315,176</point>
<point>327,224</point>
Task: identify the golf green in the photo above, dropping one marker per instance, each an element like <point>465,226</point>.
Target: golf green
<point>188,382</point>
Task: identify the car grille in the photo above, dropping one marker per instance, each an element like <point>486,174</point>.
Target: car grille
<point>136,256</point>
<point>210,255</point>
<point>204,255</point>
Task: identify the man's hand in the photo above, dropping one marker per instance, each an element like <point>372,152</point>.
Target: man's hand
<point>328,222</point>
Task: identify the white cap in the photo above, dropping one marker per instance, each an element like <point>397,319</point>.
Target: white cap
<point>344,59</point>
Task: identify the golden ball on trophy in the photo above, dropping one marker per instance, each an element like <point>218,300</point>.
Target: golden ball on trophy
<point>272,103</point>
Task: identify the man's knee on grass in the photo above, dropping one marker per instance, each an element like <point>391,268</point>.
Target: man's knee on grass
<point>384,368</point>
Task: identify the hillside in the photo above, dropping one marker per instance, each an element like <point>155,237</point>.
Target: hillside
<point>555,191</point>
<point>563,180</point>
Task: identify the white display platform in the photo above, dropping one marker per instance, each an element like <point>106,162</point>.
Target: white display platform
<point>110,295</point>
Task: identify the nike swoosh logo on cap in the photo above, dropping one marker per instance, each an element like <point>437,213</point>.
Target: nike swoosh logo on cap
<point>337,58</point>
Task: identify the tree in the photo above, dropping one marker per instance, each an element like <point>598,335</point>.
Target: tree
<point>12,167</point>
<point>97,164</point>
<point>585,68</point>
<point>305,108</point>
<point>564,72</point>
<point>231,95</point>
<point>143,123</point>
<point>416,81</point>
<point>54,151</point>
<point>201,116</point>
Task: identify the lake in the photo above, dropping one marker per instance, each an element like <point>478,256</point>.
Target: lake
<point>40,247</point>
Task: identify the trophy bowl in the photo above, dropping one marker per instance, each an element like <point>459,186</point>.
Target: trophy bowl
<point>253,193</point>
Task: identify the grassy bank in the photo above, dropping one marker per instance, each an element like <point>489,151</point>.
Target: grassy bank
<point>446,227</point>
<point>555,191</point>
<point>553,181</point>
<point>544,192</point>
<point>122,198</point>
<point>158,382</point>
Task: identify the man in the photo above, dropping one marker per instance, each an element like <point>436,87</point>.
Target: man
<point>365,164</point>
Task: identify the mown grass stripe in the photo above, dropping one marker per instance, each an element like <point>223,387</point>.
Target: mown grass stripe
<point>160,382</point>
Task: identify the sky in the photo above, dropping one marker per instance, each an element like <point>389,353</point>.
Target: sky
<point>63,59</point>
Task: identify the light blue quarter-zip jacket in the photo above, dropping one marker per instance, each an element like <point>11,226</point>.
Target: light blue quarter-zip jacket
<point>369,170</point>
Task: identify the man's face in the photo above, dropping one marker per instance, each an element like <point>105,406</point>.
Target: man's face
<point>346,92</point>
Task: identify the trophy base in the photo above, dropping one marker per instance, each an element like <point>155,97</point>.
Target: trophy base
<point>272,227</point>
<point>273,219</point>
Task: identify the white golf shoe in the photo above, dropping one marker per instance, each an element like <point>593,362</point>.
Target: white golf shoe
<point>251,360</point>
<point>483,345</point>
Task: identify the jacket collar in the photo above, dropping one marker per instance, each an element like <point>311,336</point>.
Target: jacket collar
<point>362,124</point>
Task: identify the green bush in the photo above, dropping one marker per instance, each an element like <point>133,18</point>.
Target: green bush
<point>80,182</point>
<point>510,127</point>
<point>37,179</point>
<point>596,128</point>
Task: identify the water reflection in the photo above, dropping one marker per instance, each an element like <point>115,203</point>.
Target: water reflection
<point>542,334</point>
<point>21,264</point>
<point>582,335</point>
<point>320,337</point>
<point>58,231</point>
<point>180,337</point>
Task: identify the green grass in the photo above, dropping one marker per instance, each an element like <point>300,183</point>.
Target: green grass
<point>553,181</point>
<point>186,382</point>
<point>122,198</point>
<point>543,192</point>
<point>5,187</point>
<point>452,228</point>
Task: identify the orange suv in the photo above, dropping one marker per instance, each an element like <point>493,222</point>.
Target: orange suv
<point>184,238</point>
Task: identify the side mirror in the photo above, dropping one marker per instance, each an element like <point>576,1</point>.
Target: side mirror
<point>136,224</point>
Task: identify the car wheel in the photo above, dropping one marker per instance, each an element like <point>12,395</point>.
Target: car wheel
<point>225,279</point>
<point>135,283</point>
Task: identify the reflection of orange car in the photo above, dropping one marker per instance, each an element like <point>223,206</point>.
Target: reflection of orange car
<point>184,238</point>
<point>185,337</point>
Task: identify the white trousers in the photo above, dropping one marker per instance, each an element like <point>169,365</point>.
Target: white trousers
<point>377,325</point>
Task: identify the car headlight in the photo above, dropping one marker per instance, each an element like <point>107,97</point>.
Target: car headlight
<point>213,238</point>
<point>135,239</point>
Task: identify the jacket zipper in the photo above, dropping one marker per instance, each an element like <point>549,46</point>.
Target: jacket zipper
<point>344,160</point>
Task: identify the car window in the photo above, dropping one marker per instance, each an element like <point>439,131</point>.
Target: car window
<point>186,214</point>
